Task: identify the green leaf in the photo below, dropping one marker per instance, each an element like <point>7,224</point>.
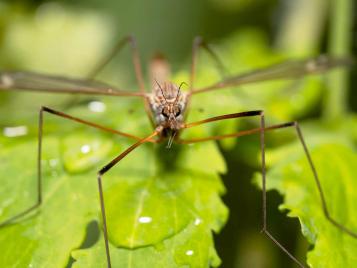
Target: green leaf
<point>150,212</point>
<point>160,203</point>
<point>192,246</point>
<point>46,237</point>
<point>81,152</point>
<point>336,166</point>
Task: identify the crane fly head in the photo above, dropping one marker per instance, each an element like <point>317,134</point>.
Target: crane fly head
<point>169,105</point>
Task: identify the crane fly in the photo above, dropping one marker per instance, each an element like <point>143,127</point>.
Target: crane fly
<point>166,107</point>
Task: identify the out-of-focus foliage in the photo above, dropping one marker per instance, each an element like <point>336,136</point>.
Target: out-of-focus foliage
<point>232,5</point>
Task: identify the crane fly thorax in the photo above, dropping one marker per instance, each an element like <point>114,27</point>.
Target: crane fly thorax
<point>168,104</point>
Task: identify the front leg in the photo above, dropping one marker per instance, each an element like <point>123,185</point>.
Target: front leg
<point>43,110</point>
<point>104,170</point>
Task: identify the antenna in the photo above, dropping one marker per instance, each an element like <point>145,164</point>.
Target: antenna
<point>162,91</point>
<point>179,90</point>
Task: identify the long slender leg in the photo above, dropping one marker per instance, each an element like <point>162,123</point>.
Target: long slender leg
<point>307,153</point>
<point>116,49</point>
<point>312,166</point>
<point>105,169</point>
<point>39,178</point>
<point>261,130</point>
<point>39,155</point>
<point>198,43</point>
<point>137,67</point>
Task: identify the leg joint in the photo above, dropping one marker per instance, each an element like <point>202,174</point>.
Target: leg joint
<point>252,113</point>
<point>46,109</point>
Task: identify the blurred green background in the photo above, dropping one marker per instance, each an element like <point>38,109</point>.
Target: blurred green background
<point>69,37</point>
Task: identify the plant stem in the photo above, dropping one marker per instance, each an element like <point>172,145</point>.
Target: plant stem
<point>302,25</point>
<point>340,36</point>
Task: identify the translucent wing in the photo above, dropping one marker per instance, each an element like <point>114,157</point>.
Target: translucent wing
<point>29,81</point>
<point>285,70</point>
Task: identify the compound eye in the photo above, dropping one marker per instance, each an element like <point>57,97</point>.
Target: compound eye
<point>177,113</point>
<point>164,114</point>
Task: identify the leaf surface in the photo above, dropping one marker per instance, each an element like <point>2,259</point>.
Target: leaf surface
<point>291,175</point>
<point>157,211</point>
